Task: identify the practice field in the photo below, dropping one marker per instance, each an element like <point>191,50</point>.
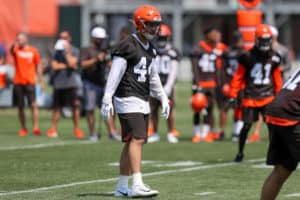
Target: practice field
<point>36,168</point>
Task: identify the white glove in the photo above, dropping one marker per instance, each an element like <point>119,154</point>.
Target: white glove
<point>165,108</point>
<point>107,108</point>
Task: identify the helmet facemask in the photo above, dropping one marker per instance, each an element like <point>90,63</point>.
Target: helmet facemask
<point>264,44</point>
<point>150,29</point>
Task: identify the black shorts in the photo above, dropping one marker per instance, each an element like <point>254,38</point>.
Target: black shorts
<point>65,97</point>
<point>284,147</point>
<point>134,125</point>
<point>23,91</point>
<point>251,114</point>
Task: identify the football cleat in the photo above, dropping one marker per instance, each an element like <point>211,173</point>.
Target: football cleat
<point>115,136</point>
<point>171,138</point>
<point>142,191</point>
<point>78,133</point>
<point>153,138</point>
<point>94,138</point>
<point>37,132</point>
<point>22,132</point>
<point>52,133</point>
<point>255,137</point>
<point>239,157</point>
<point>122,192</point>
<point>175,133</point>
<point>196,139</point>
<point>209,138</point>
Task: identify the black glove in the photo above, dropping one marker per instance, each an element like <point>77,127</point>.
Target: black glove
<point>232,102</point>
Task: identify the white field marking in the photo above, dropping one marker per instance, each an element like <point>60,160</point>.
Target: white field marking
<point>144,162</point>
<point>178,164</point>
<point>262,166</point>
<point>43,145</point>
<point>204,193</point>
<point>293,195</point>
<point>114,179</point>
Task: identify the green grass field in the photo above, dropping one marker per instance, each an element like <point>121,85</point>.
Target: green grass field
<point>65,168</point>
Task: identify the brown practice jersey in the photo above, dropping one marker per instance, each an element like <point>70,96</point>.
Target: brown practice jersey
<point>135,81</point>
<point>164,59</point>
<point>286,104</point>
<point>262,76</point>
<point>204,65</point>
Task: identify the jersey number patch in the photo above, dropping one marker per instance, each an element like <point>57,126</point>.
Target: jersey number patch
<point>141,70</point>
<point>207,62</point>
<point>261,74</point>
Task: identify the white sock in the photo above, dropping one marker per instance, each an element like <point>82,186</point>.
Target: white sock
<point>137,179</point>
<point>238,125</point>
<point>197,130</point>
<point>205,130</point>
<point>123,181</point>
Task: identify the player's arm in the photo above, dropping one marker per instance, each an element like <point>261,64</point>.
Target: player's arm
<point>115,75</point>
<point>277,77</point>
<point>39,70</point>
<point>85,60</point>
<point>57,65</point>
<point>237,81</point>
<point>172,77</point>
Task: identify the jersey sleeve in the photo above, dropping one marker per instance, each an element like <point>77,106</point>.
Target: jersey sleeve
<point>124,49</point>
<point>237,81</point>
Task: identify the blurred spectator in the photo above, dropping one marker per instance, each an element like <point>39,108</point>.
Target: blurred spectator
<point>283,52</point>
<point>65,81</point>
<point>4,80</point>
<point>27,61</point>
<point>93,62</point>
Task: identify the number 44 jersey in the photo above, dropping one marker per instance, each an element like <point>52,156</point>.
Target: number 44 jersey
<point>140,61</point>
<point>262,76</point>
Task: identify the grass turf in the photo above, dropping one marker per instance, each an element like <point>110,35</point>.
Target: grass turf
<point>24,167</point>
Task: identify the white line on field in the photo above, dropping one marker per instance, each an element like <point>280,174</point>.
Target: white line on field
<point>43,145</point>
<point>114,179</point>
<point>204,193</point>
<point>293,195</point>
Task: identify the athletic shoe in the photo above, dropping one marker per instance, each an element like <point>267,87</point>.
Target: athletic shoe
<point>239,157</point>
<point>171,138</point>
<point>219,136</point>
<point>115,136</point>
<point>255,137</point>
<point>122,192</point>
<point>142,191</point>
<point>153,138</point>
<point>51,133</point>
<point>175,133</point>
<point>94,138</point>
<point>37,132</point>
<point>78,133</point>
<point>23,132</point>
<point>196,139</point>
<point>209,138</point>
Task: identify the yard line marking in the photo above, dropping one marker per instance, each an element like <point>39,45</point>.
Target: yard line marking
<point>293,195</point>
<point>43,145</point>
<point>114,179</point>
<point>204,193</point>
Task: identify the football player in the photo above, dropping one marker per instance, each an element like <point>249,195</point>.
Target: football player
<point>230,65</point>
<point>167,63</point>
<point>204,60</point>
<point>131,80</point>
<point>283,117</point>
<point>260,70</point>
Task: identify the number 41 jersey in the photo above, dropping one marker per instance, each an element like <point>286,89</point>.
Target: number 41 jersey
<point>140,61</point>
<point>262,73</point>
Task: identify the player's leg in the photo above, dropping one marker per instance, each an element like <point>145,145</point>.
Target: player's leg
<point>18,93</point>
<point>58,102</point>
<point>153,135</point>
<point>242,141</point>
<point>196,126</point>
<point>208,120</point>
<point>73,99</point>
<point>238,124</point>
<point>90,95</point>
<point>255,137</point>
<point>274,182</point>
<point>31,99</point>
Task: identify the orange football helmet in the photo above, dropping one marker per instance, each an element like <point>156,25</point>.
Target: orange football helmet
<point>147,19</point>
<point>198,102</point>
<point>164,31</point>
<point>263,37</point>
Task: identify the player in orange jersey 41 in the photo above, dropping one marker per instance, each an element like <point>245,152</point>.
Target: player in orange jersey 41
<point>260,70</point>
<point>167,61</point>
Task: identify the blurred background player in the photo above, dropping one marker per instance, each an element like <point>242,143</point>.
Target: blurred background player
<point>230,65</point>
<point>204,61</point>
<point>260,70</point>
<point>94,63</point>
<point>131,80</point>
<point>286,58</point>
<point>283,117</point>
<point>167,61</point>
<point>65,83</point>
<point>4,78</point>
<point>219,96</point>
<point>27,60</point>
